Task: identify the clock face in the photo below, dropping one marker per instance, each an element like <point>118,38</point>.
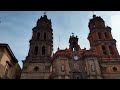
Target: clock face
<point>76,57</point>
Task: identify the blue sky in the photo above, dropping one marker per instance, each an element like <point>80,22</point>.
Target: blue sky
<point>16,28</point>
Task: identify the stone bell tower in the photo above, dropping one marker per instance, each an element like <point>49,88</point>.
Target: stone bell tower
<point>100,37</point>
<point>74,43</point>
<point>102,41</point>
<point>37,63</point>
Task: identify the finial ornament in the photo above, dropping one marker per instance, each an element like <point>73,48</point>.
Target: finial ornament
<point>72,34</point>
<point>45,13</point>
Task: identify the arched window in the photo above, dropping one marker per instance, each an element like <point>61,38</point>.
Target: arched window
<point>38,35</point>
<point>99,35</point>
<point>106,35</point>
<point>36,50</point>
<point>111,50</point>
<point>43,50</point>
<point>104,50</point>
<point>74,46</point>
<point>45,35</point>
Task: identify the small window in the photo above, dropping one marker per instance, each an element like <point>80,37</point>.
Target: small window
<point>104,50</point>
<point>38,35</point>
<point>99,35</point>
<point>43,50</point>
<point>36,50</point>
<point>45,35</point>
<point>111,51</point>
<point>36,68</point>
<point>114,69</point>
<point>74,46</point>
<point>106,35</point>
<point>73,49</point>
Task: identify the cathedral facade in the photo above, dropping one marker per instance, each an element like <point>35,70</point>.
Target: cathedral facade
<point>101,61</point>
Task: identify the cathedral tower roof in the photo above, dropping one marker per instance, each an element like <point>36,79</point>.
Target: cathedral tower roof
<point>44,19</point>
<point>96,23</point>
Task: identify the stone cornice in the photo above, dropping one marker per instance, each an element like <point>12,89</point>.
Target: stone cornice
<point>101,30</point>
<point>42,29</point>
<point>89,55</point>
<point>110,62</point>
<point>113,41</point>
<point>39,41</point>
